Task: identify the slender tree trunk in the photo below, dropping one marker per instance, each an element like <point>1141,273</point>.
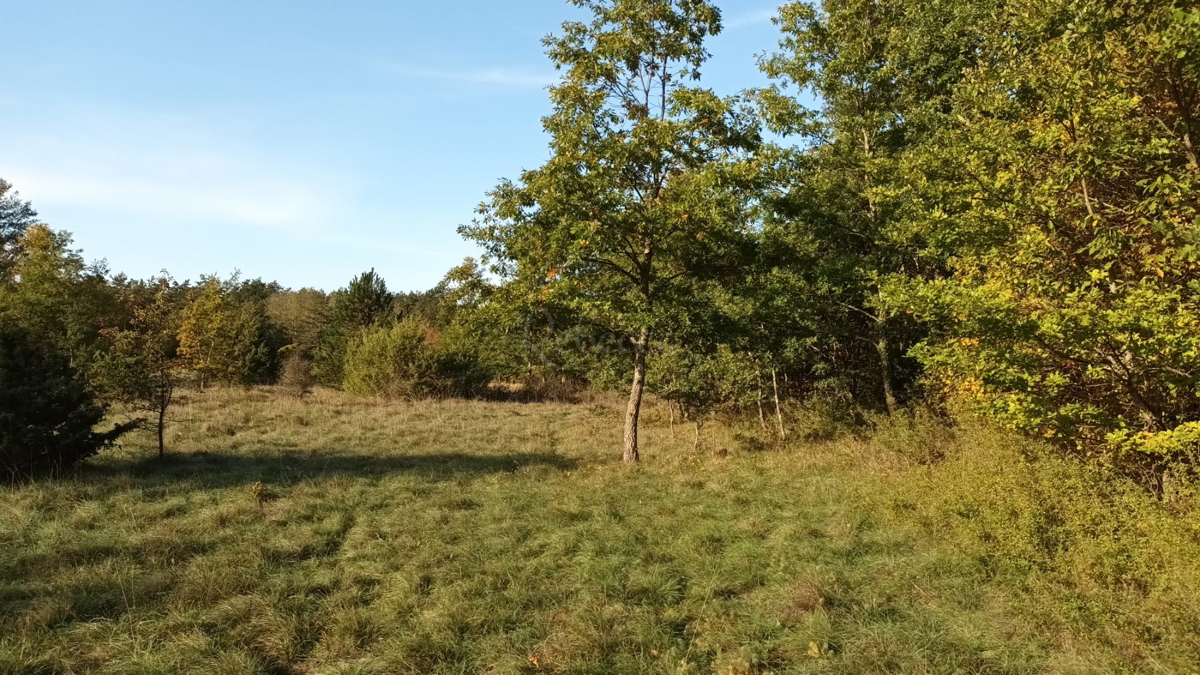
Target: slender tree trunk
<point>162,423</point>
<point>885,371</point>
<point>696,442</point>
<point>166,390</point>
<point>635,396</point>
<point>671,408</point>
<point>778,411</point>
<point>762,419</point>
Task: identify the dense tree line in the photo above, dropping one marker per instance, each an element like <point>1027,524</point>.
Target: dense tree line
<point>993,206</point>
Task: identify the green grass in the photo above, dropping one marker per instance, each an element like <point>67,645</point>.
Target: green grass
<point>472,537</point>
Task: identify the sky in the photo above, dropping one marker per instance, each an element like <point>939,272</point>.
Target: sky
<point>297,141</point>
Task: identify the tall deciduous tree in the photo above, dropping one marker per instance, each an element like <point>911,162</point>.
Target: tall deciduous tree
<point>15,217</point>
<point>301,315</point>
<point>1070,207</point>
<point>139,365</point>
<point>225,334</point>
<point>206,331</point>
<point>56,296</point>
<point>871,79</point>
<point>638,200</point>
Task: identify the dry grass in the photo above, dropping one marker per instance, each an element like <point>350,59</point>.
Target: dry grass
<point>335,535</point>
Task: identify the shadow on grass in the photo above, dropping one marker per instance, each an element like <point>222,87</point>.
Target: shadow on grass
<point>286,466</point>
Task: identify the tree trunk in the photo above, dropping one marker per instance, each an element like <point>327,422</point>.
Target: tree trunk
<point>762,419</point>
<point>635,396</point>
<point>778,411</point>
<point>166,391</point>
<point>885,371</point>
<point>162,422</point>
<point>671,408</point>
<point>696,442</point>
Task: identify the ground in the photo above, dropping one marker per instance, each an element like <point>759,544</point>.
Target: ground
<point>338,535</point>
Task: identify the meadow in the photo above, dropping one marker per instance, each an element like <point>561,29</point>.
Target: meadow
<point>339,535</point>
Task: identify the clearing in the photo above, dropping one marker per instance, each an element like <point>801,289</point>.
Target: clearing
<point>335,535</point>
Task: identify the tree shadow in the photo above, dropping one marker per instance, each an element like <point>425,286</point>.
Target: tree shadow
<point>280,465</point>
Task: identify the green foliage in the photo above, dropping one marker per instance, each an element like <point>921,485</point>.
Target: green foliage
<point>226,336</point>
<point>1113,560</point>
<point>409,360</point>
<point>301,316</point>
<point>205,329</point>
<point>366,302</point>
<point>840,222</point>
<point>393,361</point>
<point>486,319</point>
<point>56,296</point>
<point>1067,207</point>
<point>15,217</point>
<point>700,382</point>
<point>256,344</point>
<point>640,200</point>
<point>47,414</point>
<point>139,365</point>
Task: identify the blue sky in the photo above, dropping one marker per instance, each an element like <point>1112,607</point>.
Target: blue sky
<point>297,141</point>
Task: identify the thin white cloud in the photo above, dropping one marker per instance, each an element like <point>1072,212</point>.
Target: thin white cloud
<point>499,76</point>
<point>180,198</point>
<point>752,18</point>
<point>167,169</point>
<point>376,243</point>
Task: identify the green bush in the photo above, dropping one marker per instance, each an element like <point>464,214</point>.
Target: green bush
<point>47,415</point>
<point>1067,533</point>
<point>409,360</point>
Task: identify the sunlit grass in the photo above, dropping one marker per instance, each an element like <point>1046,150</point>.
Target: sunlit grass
<point>342,535</point>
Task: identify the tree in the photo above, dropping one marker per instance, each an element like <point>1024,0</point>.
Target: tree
<point>301,315</point>
<point>48,417</point>
<point>206,333</point>
<point>366,302</point>
<point>15,217</point>
<point>56,296</point>
<point>255,343</point>
<point>639,200</point>
<point>1069,206</point>
<point>881,72</point>
<point>140,364</point>
<point>226,335</point>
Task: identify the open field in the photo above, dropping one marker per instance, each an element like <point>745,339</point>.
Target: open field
<point>335,535</point>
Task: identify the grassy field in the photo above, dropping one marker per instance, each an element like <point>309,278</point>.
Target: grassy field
<point>335,535</point>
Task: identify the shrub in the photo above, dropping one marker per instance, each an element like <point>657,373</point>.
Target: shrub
<point>458,372</point>
<point>364,304</point>
<point>296,374</point>
<point>409,360</point>
<point>390,362</point>
<point>47,415</point>
<point>1019,509</point>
